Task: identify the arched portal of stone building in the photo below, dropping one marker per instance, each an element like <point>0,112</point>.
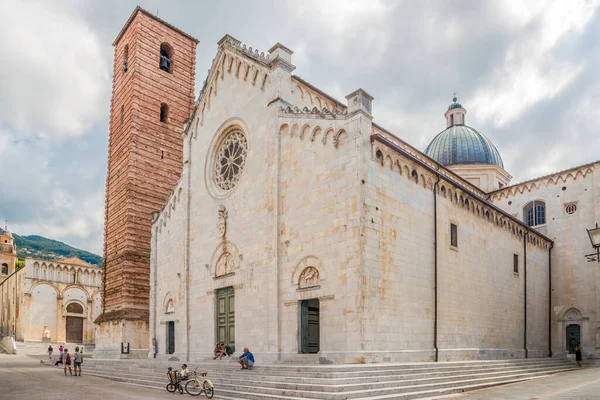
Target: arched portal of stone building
<point>309,326</point>
<point>573,335</point>
<point>74,324</point>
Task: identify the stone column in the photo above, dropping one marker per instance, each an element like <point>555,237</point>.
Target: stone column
<point>60,331</point>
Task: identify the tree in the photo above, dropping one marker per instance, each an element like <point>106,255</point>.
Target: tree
<point>19,264</point>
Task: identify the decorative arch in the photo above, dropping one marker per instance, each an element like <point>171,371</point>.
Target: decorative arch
<point>309,272</point>
<point>284,129</point>
<point>305,131</point>
<point>225,259</point>
<point>76,286</point>
<point>295,131</point>
<point>44,283</point>
<point>328,132</point>
<point>316,131</point>
<point>337,136</point>
<point>169,304</point>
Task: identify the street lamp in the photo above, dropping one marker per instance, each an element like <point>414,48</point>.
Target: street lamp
<point>594,235</point>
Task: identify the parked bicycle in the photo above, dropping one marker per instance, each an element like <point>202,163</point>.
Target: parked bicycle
<point>174,382</point>
<point>197,385</point>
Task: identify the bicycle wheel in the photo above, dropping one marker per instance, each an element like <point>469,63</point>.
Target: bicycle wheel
<point>180,389</point>
<point>193,388</point>
<point>208,389</point>
<point>171,387</point>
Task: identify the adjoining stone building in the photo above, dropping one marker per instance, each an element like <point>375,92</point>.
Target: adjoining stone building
<point>54,301</point>
<point>8,254</point>
<point>298,226</point>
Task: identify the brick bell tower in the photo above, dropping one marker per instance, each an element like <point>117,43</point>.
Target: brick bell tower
<point>152,95</point>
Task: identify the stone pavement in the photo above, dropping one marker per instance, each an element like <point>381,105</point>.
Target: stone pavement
<point>583,384</point>
<point>24,378</point>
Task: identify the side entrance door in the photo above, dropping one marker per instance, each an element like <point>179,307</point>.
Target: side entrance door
<point>573,337</point>
<point>309,326</point>
<point>170,337</point>
<point>226,316</point>
<point>74,329</point>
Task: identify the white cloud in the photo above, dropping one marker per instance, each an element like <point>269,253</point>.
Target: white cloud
<point>54,77</point>
<point>532,70</point>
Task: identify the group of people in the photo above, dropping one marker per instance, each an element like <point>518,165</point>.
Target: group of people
<point>246,360</point>
<point>66,359</point>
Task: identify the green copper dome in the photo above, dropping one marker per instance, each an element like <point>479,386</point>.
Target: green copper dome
<point>461,144</point>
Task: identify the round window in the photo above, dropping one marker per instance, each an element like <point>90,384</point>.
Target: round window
<point>230,160</point>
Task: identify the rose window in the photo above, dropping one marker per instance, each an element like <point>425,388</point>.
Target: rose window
<point>230,160</point>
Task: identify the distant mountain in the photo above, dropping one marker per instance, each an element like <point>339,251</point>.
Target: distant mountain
<point>48,249</point>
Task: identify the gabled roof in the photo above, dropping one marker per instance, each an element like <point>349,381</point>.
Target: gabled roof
<point>140,9</point>
<point>75,261</point>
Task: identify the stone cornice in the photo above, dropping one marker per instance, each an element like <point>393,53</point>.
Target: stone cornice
<point>546,180</point>
<point>498,216</point>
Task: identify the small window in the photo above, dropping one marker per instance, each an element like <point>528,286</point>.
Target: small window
<point>516,263</point>
<point>4,269</point>
<point>453,235</point>
<point>452,119</point>
<point>570,208</point>
<point>126,58</point>
<point>535,213</point>
<point>166,57</point>
<point>164,113</point>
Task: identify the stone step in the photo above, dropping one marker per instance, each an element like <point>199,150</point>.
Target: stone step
<point>335,384</point>
<point>357,370</point>
<point>258,388</point>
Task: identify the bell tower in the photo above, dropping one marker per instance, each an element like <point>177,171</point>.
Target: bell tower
<point>152,96</point>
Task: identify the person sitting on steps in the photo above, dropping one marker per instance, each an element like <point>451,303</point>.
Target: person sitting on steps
<point>246,360</point>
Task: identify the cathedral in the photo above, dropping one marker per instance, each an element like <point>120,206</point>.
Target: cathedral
<point>296,226</point>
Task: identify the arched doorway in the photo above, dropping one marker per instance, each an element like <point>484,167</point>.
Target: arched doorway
<point>74,324</point>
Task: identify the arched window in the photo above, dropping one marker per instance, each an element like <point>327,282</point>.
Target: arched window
<point>534,213</point>
<point>164,113</point>
<point>75,308</point>
<point>166,57</point>
<point>4,269</point>
<point>126,58</point>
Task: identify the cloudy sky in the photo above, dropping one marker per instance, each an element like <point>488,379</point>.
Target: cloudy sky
<point>527,73</point>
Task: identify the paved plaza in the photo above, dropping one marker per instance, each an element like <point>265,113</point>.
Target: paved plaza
<point>24,378</point>
<point>582,384</point>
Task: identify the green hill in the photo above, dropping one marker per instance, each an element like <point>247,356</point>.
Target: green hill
<point>48,249</point>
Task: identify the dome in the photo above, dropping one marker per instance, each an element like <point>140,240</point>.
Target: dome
<point>461,144</point>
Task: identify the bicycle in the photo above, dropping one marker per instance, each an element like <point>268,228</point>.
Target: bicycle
<point>174,385</point>
<point>197,385</point>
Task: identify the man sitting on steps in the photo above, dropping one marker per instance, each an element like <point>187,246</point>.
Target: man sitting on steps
<point>246,360</point>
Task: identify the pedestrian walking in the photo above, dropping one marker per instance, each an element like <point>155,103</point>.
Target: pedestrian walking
<point>77,361</point>
<point>67,362</point>
<point>578,357</point>
<point>50,350</point>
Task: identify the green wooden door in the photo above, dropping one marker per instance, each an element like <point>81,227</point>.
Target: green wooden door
<point>573,337</point>
<point>170,337</point>
<point>309,326</point>
<point>226,316</point>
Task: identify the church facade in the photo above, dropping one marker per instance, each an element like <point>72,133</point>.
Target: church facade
<point>298,227</point>
<point>301,227</point>
<point>52,301</point>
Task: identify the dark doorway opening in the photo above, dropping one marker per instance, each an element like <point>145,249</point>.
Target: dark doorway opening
<point>226,316</point>
<point>309,326</point>
<point>573,337</point>
<point>170,337</point>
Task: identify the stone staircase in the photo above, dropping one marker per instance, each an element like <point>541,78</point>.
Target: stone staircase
<point>336,382</point>
<point>39,348</point>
